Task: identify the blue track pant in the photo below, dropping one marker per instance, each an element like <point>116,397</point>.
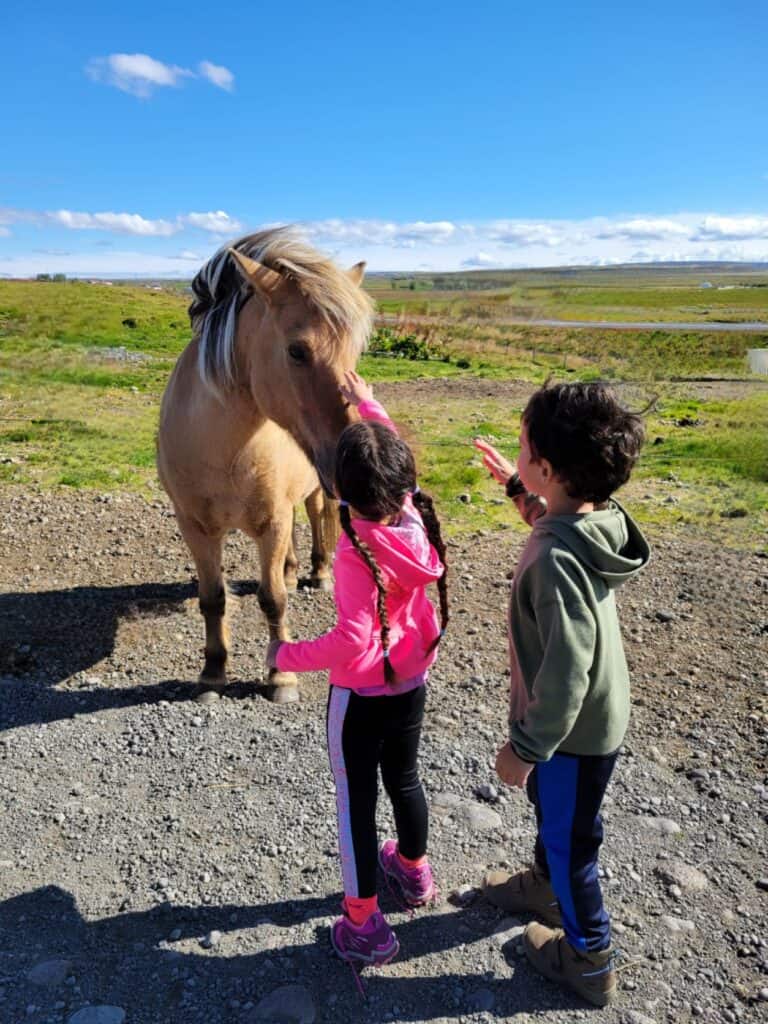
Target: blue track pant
<point>567,792</point>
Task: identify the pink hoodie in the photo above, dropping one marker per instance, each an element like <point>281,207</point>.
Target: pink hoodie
<point>408,562</point>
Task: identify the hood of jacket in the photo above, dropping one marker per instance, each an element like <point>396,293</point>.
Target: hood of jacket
<point>402,550</point>
<point>607,541</point>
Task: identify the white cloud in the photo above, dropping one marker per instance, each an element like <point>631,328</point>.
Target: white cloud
<point>480,260</point>
<point>5,232</point>
<point>732,228</point>
<point>136,73</point>
<point>187,254</point>
<point>218,75</point>
<point>381,232</point>
<point>217,222</point>
<point>512,232</point>
<point>123,223</point>
<point>140,75</point>
<point>646,228</point>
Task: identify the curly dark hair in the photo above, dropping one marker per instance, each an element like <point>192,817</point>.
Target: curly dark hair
<point>375,471</point>
<point>590,439</point>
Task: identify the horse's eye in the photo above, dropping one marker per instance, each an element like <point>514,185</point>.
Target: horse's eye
<point>298,354</point>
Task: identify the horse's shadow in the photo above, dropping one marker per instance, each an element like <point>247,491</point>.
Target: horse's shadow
<point>49,636</point>
<point>112,959</point>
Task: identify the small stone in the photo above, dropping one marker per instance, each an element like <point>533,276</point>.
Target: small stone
<point>50,973</point>
<point>487,792</point>
<point>291,1004</point>
<point>463,896</point>
<point>175,935</point>
<point>762,883</point>
<point>677,925</point>
<point>634,1017</point>
<point>509,929</point>
<point>98,1015</point>
<point>665,616</point>
<point>666,826</point>
<point>211,940</point>
<point>206,697</point>
<point>688,878</point>
<point>465,498</point>
<point>762,995</point>
<point>482,1001</point>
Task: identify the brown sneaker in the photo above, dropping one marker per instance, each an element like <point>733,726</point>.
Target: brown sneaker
<point>527,891</point>
<point>592,975</point>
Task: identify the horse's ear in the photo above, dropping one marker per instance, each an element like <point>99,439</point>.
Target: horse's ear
<point>262,278</point>
<point>357,273</point>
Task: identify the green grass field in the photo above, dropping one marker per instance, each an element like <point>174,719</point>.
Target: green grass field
<point>82,369</point>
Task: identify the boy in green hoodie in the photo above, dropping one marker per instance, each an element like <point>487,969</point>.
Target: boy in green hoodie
<point>569,694</point>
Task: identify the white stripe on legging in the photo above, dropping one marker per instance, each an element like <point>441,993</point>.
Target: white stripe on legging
<point>336,715</point>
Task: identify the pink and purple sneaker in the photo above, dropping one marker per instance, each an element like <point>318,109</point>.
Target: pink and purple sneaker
<point>370,944</point>
<point>416,884</point>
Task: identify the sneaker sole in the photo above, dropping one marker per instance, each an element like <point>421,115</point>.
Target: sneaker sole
<point>374,960</point>
<point>543,968</point>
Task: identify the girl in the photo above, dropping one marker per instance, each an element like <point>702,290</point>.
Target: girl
<point>384,642</point>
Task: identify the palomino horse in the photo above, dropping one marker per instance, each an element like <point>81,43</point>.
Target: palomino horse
<point>251,416</point>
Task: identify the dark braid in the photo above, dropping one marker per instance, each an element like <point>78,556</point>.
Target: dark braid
<point>367,555</point>
<point>426,507</point>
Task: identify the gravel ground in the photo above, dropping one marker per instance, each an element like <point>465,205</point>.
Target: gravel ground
<point>164,859</point>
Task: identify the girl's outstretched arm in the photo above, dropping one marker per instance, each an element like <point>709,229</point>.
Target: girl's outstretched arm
<point>358,392</point>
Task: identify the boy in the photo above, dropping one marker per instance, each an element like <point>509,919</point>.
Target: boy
<point>569,699</point>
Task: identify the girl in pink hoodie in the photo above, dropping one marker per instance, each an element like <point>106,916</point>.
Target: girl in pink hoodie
<point>378,653</point>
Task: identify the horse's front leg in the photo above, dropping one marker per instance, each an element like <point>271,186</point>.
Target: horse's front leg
<point>321,514</point>
<point>273,597</point>
<point>206,551</point>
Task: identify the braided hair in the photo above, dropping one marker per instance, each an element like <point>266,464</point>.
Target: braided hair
<point>375,471</point>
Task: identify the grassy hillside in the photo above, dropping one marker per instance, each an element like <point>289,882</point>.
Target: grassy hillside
<point>82,368</point>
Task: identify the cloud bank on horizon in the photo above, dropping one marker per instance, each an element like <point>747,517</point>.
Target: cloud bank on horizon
<point>167,246</point>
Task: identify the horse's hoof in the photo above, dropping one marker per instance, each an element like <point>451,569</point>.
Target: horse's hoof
<point>322,583</point>
<point>283,694</point>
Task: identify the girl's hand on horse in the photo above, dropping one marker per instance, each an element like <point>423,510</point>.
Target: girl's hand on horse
<point>354,389</point>
<point>274,647</point>
<point>501,469</point>
<point>510,768</point>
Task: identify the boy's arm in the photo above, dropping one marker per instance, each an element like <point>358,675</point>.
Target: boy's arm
<point>356,595</point>
<point>567,632</point>
<point>530,506</point>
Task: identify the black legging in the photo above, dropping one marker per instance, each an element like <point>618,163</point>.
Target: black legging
<point>363,734</point>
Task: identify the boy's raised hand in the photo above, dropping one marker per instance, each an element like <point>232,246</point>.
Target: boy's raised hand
<point>510,768</point>
<point>501,469</point>
<point>354,389</point>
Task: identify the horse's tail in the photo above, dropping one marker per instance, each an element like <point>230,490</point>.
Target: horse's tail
<point>330,524</point>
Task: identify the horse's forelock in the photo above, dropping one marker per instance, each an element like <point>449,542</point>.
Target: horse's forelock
<point>219,291</point>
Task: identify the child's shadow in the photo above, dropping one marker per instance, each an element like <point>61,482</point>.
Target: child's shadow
<point>127,960</point>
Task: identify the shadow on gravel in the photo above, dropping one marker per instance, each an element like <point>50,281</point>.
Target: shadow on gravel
<point>52,635</point>
<point>128,960</point>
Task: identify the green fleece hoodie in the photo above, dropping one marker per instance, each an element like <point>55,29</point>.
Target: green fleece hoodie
<point>569,679</point>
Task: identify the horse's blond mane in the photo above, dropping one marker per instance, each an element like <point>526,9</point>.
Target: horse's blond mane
<point>220,293</point>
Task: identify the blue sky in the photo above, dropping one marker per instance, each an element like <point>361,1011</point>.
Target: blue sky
<point>138,138</point>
